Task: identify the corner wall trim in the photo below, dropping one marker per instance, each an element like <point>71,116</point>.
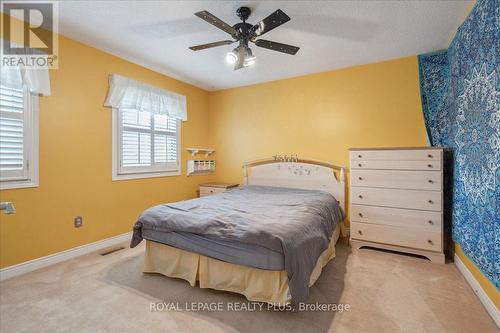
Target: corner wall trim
<point>35,264</point>
<point>479,291</point>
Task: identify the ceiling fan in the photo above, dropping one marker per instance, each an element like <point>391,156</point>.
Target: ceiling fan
<point>244,33</point>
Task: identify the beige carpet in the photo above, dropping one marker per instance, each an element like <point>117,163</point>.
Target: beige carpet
<point>387,293</point>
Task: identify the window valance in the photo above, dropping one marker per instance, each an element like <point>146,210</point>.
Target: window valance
<point>35,79</point>
<point>132,94</point>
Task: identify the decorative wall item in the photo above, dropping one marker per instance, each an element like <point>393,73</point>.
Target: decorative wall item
<point>286,158</point>
<point>460,98</point>
<point>198,167</point>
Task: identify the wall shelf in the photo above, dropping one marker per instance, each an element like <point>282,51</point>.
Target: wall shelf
<point>205,151</point>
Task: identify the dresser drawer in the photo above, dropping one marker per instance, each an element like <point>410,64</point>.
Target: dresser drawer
<point>416,239</point>
<point>416,180</point>
<point>396,165</point>
<point>425,200</point>
<point>205,190</point>
<point>406,218</point>
<point>396,155</point>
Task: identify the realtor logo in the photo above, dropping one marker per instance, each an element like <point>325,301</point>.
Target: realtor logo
<point>29,31</point>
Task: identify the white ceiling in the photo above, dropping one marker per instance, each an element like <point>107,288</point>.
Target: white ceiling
<point>330,34</point>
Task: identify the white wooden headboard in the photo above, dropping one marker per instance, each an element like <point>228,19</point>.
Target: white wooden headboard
<point>302,173</point>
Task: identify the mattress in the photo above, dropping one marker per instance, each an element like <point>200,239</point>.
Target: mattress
<point>222,249</point>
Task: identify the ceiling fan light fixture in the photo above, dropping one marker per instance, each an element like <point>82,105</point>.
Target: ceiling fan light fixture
<point>231,57</point>
<point>249,58</point>
<point>249,61</point>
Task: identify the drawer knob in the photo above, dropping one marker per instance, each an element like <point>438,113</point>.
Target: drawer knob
<point>360,178</point>
<point>360,196</point>
<point>430,181</point>
<point>359,164</point>
<point>359,156</point>
<point>211,191</point>
<point>429,156</point>
<point>430,242</point>
<point>360,232</point>
<point>431,202</point>
<point>429,165</point>
<point>360,215</point>
<point>430,222</point>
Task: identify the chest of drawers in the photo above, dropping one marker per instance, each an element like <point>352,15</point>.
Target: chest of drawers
<point>396,200</point>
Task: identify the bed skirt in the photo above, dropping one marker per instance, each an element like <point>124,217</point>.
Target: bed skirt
<point>255,284</point>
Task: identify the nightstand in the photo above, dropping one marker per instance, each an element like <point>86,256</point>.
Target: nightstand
<point>213,188</point>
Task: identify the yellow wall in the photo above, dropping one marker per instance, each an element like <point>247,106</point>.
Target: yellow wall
<point>75,161</point>
<point>319,116</point>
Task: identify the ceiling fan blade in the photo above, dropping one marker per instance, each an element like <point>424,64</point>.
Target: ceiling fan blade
<point>269,23</point>
<point>275,46</point>
<point>209,45</point>
<point>215,21</point>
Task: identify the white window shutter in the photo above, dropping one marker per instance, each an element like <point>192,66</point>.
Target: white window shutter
<point>14,134</point>
<point>148,142</point>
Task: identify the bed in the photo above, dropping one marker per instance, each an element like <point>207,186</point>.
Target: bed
<point>268,240</point>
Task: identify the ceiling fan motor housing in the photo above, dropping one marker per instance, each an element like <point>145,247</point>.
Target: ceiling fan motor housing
<point>243,28</point>
<point>243,13</point>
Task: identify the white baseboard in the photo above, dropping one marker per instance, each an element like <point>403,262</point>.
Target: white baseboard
<point>478,290</point>
<point>32,265</point>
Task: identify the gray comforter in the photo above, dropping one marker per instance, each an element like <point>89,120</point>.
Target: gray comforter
<point>297,223</point>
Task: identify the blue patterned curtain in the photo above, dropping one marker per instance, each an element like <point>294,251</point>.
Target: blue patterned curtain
<point>460,99</point>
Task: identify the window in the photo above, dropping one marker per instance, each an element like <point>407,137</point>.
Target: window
<point>146,129</point>
<point>145,144</point>
<point>18,138</point>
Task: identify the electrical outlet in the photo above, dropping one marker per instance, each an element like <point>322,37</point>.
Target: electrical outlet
<point>78,221</point>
